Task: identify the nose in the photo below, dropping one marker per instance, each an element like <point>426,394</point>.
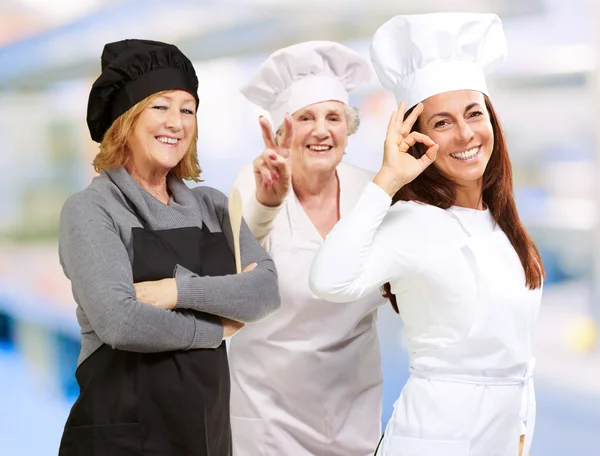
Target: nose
<point>320,130</point>
<point>465,132</point>
<point>174,121</point>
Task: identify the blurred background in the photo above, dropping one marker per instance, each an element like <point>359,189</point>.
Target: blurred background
<point>547,96</point>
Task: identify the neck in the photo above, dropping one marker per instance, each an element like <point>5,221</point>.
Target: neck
<point>314,185</point>
<point>470,195</point>
<point>154,183</point>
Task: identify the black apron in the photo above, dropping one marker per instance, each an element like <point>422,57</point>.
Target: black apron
<point>169,404</point>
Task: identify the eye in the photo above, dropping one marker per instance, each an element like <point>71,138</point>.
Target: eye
<point>304,118</point>
<point>440,124</point>
<point>160,107</point>
<point>334,118</point>
<point>187,111</point>
<point>475,114</point>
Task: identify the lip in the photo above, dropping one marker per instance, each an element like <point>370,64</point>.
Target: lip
<point>466,160</point>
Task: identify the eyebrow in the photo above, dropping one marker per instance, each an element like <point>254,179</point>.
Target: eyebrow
<point>447,114</point>
<point>170,98</point>
<point>331,111</point>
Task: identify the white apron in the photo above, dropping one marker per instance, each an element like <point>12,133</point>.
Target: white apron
<point>464,411</point>
<point>307,380</point>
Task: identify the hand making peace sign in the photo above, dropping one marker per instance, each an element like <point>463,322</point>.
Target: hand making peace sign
<point>273,168</point>
<point>399,167</point>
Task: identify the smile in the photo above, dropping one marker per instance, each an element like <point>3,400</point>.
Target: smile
<point>166,140</point>
<point>319,148</point>
<point>467,154</point>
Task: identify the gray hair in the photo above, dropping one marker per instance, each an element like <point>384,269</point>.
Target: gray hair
<point>351,117</point>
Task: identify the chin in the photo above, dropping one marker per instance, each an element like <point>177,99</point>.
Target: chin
<point>468,177</point>
<point>168,162</point>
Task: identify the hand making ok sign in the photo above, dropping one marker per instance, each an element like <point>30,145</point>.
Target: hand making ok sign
<point>399,167</point>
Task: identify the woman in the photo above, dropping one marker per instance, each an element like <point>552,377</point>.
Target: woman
<point>307,380</point>
<point>152,270</point>
<point>467,275</point>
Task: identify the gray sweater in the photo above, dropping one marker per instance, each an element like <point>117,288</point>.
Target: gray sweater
<point>95,249</point>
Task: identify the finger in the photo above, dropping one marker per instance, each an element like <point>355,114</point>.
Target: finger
<point>288,133</point>
<point>416,137</point>
<point>429,157</point>
<point>411,119</point>
<point>277,162</point>
<point>262,168</point>
<point>274,162</point>
<point>260,161</point>
<point>267,133</point>
<point>391,129</point>
<point>265,175</point>
<point>400,115</point>
<point>283,169</point>
<point>250,267</point>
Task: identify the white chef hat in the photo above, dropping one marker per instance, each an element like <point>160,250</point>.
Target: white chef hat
<point>418,56</point>
<point>300,75</point>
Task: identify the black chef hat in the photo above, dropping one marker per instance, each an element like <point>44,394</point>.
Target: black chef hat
<point>131,71</point>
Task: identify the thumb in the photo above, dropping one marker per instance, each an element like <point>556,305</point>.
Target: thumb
<point>429,157</point>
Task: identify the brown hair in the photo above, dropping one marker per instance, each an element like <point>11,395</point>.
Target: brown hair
<point>432,187</point>
<point>114,152</point>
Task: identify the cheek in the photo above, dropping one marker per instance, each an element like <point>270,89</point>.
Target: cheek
<point>190,129</point>
<point>299,137</point>
<point>148,122</point>
<point>190,125</point>
<point>485,132</point>
<point>341,136</point>
<point>444,141</point>
<point>135,140</point>
<point>490,138</point>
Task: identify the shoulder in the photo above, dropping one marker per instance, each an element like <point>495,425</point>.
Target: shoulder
<point>83,204</point>
<point>212,205</point>
<point>210,196</point>
<point>417,218</point>
<point>100,196</point>
<point>84,213</point>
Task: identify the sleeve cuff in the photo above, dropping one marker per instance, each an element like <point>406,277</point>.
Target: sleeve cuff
<point>375,194</point>
<point>261,213</point>
<point>188,293</point>
<point>209,332</point>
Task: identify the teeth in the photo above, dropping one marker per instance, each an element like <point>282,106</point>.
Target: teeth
<point>467,154</point>
<point>319,148</point>
<point>166,140</point>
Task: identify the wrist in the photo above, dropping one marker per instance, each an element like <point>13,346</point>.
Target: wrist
<point>266,202</point>
<point>388,182</point>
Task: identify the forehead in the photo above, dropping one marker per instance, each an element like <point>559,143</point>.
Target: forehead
<point>180,96</point>
<point>322,107</point>
<point>452,102</point>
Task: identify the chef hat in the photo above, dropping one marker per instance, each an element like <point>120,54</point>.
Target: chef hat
<point>132,70</point>
<point>303,74</point>
<point>418,56</point>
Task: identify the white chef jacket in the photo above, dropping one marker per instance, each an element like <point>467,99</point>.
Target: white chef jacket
<point>468,317</point>
<point>307,380</point>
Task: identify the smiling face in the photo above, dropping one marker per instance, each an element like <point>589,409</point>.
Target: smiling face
<point>163,132</point>
<point>459,122</point>
<point>320,136</point>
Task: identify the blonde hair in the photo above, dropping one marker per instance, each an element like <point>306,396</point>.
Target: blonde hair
<point>114,152</point>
